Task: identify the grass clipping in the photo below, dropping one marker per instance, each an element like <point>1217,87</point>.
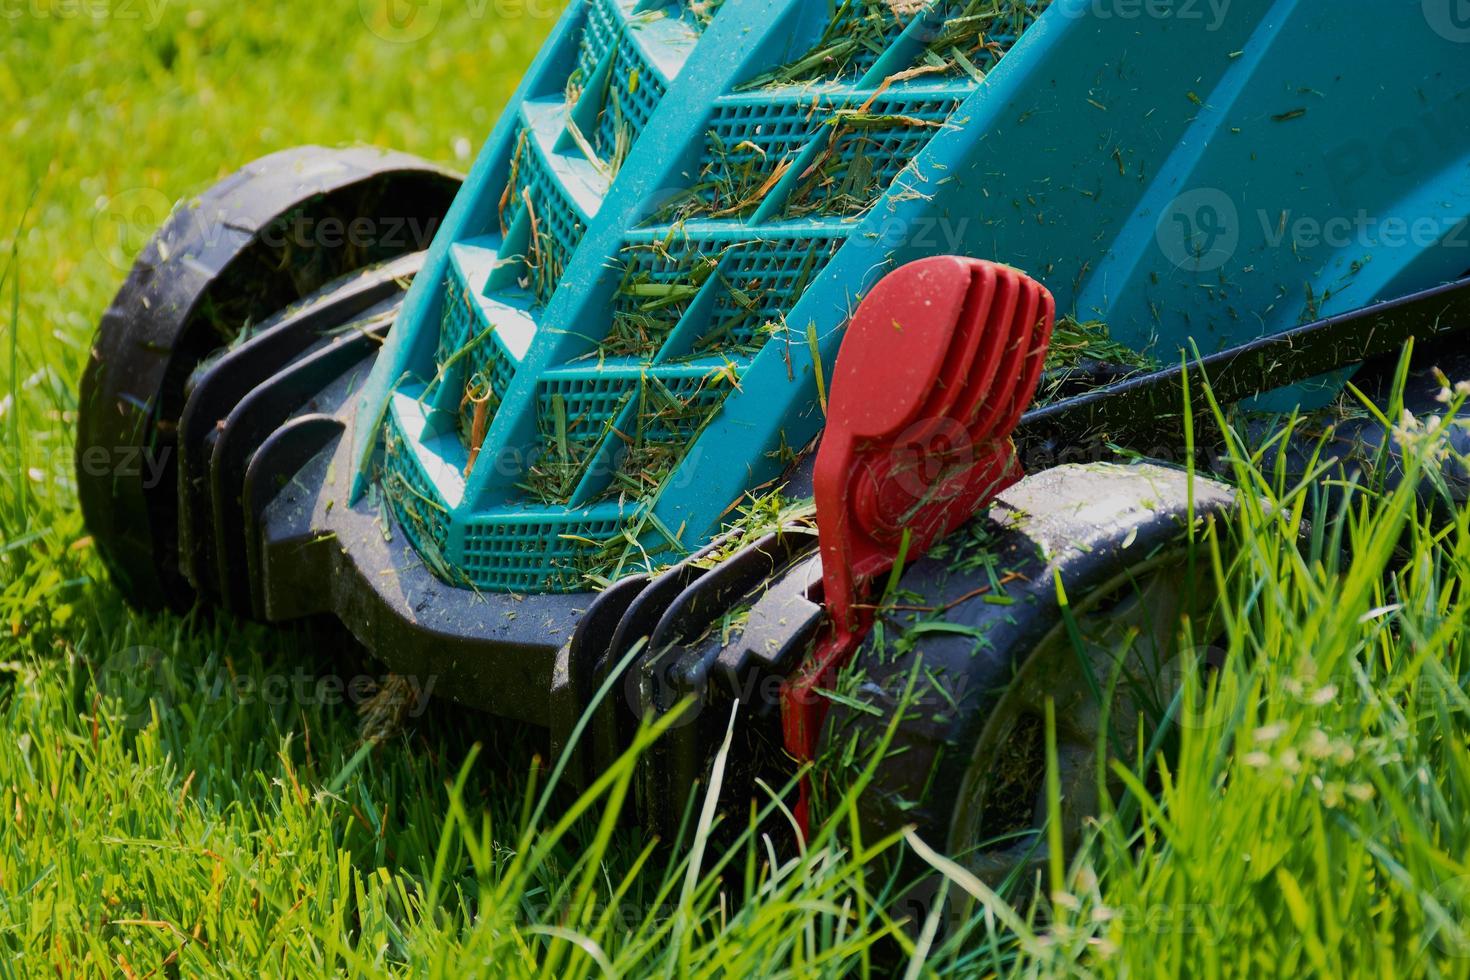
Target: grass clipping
<point>963,38</point>
<point>1083,356</point>
<point>962,41</point>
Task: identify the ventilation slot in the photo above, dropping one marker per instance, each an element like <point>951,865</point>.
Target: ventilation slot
<point>414,501</point>
<point>574,417</point>
<point>537,552</point>
<point>755,282</point>
<point>541,225</point>
<point>614,89</point>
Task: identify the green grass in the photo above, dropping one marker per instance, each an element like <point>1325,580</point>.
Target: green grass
<point>182,797</point>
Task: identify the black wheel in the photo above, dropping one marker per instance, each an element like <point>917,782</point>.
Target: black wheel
<point>967,763</point>
<point>255,243</point>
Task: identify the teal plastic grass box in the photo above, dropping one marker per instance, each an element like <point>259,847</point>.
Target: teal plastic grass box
<point>622,327</point>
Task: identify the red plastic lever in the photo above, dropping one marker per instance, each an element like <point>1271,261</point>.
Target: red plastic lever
<point>937,367</point>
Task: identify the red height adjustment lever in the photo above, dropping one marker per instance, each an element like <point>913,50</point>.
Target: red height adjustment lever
<point>937,367</point>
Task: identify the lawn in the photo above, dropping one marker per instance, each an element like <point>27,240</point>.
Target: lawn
<point>189,796</point>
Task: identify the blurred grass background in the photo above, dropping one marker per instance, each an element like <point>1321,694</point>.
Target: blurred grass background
<point>108,111</point>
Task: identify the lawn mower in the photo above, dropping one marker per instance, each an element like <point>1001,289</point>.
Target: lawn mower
<point>716,388</point>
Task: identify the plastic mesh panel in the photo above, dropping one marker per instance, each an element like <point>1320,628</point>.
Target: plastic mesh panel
<point>869,26</point>
<point>633,405</point>
<point>759,280</point>
<point>765,279</point>
<point>670,411</point>
<point>573,417</point>
<point>673,409</point>
<point>669,406</point>
<point>557,225</point>
<point>490,362</point>
<point>862,142</point>
<point>598,38</point>
<point>634,88</point>
<point>544,554</point>
<point>866,150</point>
<point>958,37</point>
<point>412,497</point>
<point>767,131</point>
<point>748,142</point>
<point>488,366</point>
<point>590,402</point>
<point>857,35</point>
<point>634,92</point>
<point>982,31</point>
<point>659,282</point>
<point>459,324</point>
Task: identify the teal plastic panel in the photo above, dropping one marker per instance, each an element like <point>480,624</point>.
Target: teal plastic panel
<point>622,321</point>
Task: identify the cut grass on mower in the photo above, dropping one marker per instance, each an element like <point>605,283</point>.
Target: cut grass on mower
<point>188,796</point>
<point>852,165</point>
<point>1083,355</point>
<point>969,37</point>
